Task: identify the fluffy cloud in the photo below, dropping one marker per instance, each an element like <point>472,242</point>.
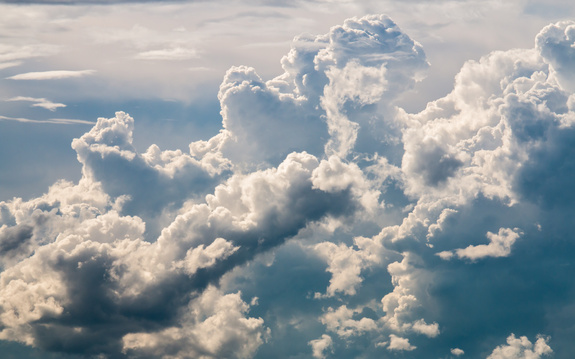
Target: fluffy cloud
<point>347,71</point>
<point>214,326</point>
<point>157,253</point>
<point>517,348</point>
<point>319,346</point>
<point>399,344</point>
<point>457,351</point>
<point>499,246</point>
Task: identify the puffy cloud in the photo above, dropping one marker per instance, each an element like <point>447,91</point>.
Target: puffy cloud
<point>204,257</point>
<point>328,77</point>
<point>345,265</point>
<point>76,260</point>
<point>341,321</point>
<point>319,346</point>
<point>499,246</point>
<point>399,344</point>
<point>150,253</point>
<point>213,326</point>
<point>517,348</point>
<point>555,42</point>
<point>430,330</point>
<point>457,351</point>
<point>151,181</point>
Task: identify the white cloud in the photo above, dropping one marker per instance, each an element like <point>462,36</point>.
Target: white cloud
<point>430,330</point>
<point>499,246</point>
<point>457,351</point>
<point>9,53</point>
<point>320,156</point>
<point>51,75</point>
<point>6,65</point>
<point>203,257</point>
<point>177,53</point>
<point>214,325</point>
<point>399,344</point>
<point>319,346</point>
<point>341,322</point>
<point>522,348</point>
<point>39,102</point>
<point>555,42</point>
<point>58,121</point>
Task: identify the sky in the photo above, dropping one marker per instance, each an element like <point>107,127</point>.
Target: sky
<point>287,179</point>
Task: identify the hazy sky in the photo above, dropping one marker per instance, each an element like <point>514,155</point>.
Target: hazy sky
<point>287,179</point>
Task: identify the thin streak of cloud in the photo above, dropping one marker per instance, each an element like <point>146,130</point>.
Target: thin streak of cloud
<point>56,121</point>
<point>39,102</point>
<point>168,54</point>
<point>12,52</point>
<point>51,75</point>
<point>6,65</point>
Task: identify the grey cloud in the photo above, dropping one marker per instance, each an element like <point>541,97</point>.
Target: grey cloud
<point>12,238</point>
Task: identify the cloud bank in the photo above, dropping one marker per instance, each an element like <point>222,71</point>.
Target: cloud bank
<point>319,221</point>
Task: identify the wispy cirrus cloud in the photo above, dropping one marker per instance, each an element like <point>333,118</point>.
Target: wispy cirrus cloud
<point>10,53</point>
<point>57,121</point>
<point>6,65</point>
<point>178,53</point>
<point>51,75</point>
<point>39,102</point>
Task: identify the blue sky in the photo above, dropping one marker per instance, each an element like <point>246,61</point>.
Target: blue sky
<point>272,179</point>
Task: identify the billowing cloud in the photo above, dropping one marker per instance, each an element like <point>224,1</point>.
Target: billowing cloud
<point>51,75</point>
<point>399,344</point>
<point>518,348</point>
<point>318,190</point>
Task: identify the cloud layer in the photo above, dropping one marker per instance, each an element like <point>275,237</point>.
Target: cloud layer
<point>323,220</point>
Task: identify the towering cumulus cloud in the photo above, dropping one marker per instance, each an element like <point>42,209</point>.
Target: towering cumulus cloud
<point>322,220</point>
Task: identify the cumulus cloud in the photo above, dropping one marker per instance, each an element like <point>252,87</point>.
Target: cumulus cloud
<point>399,344</point>
<point>347,71</point>
<point>319,346</point>
<point>517,348</point>
<point>152,254</point>
<point>214,326</point>
<point>457,351</point>
<point>51,75</point>
<point>499,246</point>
